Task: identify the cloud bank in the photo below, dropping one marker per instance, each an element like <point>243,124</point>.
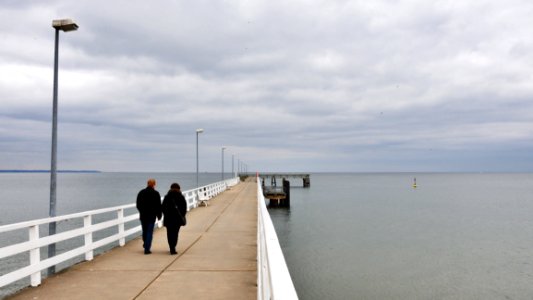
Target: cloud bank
<point>352,86</point>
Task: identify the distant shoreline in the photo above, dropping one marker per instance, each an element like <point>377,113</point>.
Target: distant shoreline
<point>48,171</point>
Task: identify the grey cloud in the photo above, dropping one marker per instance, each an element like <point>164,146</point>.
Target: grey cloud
<point>336,85</point>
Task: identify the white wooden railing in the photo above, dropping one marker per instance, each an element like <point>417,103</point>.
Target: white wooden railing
<point>273,278</point>
<point>35,241</point>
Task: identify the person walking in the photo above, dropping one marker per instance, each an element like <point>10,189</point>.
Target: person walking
<point>174,211</point>
<point>149,207</point>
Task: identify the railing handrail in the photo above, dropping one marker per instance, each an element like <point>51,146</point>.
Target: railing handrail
<point>25,224</point>
<point>35,241</point>
<point>273,277</point>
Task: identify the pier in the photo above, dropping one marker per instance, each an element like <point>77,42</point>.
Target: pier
<point>274,177</point>
<point>280,195</point>
<point>220,252</point>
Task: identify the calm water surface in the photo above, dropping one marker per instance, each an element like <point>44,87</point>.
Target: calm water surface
<point>372,236</point>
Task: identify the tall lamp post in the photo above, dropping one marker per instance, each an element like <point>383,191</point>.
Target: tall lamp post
<point>198,131</point>
<point>233,165</point>
<point>223,148</point>
<point>63,25</point>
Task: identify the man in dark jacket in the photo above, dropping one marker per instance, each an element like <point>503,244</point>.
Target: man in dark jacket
<point>174,209</point>
<point>149,207</point>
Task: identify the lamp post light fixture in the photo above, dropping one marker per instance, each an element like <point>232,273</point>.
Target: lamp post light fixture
<point>63,25</point>
<point>223,148</point>
<point>198,131</point>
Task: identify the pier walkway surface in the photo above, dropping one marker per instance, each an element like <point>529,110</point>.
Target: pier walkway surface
<point>217,259</point>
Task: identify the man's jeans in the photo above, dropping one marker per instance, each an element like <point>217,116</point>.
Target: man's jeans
<point>148,233</point>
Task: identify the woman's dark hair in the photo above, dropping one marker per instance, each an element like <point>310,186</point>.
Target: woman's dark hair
<point>175,186</point>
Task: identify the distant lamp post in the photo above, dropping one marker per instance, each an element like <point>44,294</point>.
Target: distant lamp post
<point>223,148</point>
<point>63,25</point>
<point>198,131</point>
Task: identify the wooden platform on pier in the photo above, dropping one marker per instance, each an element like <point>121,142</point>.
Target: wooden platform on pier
<point>274,193</point>
<point>217,260</point>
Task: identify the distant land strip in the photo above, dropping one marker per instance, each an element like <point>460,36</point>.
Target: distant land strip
<point>48,171</point>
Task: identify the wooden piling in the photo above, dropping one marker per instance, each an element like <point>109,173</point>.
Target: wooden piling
<point>287,190</point>
<point>306,182</point>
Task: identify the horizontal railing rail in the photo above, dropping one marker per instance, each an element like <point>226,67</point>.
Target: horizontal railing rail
<point>273,278</point>
<point>36,241</point>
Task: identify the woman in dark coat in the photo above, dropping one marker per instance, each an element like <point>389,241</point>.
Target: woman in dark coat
<point>173,206</point>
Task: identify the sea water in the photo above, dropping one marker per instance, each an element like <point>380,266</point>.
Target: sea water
<point>374,236</point>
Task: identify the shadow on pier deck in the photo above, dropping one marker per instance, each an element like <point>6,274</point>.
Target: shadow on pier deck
<point>217,260</point>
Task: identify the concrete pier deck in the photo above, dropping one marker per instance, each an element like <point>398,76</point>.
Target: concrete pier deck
<point>217,259</point>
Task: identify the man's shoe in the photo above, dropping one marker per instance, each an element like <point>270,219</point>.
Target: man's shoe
<point>147,252</point>
<point>173,252</point>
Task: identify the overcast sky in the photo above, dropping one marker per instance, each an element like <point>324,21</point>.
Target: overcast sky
<point>352,86</point>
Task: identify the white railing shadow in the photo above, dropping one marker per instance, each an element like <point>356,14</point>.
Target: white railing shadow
<point>273,278</point>
<point>35,241</point>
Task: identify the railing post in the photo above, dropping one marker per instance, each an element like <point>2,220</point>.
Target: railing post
<point>87,223</point>
<point>35,255</point>
<point>122,240</point>
<point>195,198</point>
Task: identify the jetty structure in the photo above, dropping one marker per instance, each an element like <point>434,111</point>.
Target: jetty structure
<point>280,195</point>
<point>228,250</point>
<point>274,177</point>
